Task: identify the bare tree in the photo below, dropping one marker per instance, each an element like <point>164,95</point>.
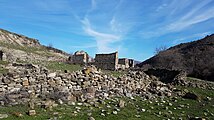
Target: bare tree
<point>160,49</point>
<point>50,45</point>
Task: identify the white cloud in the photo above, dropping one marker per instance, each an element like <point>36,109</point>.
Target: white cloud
<point>194,16</point>
<point>103,40</point>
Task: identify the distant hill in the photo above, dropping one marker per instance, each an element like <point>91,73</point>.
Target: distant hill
<point>22,48</point>
<point>196,58</point>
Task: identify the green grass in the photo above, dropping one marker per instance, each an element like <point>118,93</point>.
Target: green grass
<point>158,109</point>
<point>55,66</point>
<point>36,50</point>
<point>3,62</point>
<point>3,70</point>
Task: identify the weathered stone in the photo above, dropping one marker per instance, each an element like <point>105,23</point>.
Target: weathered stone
<point>52,75</point>
<point>91,118</point>
<point>71,98</point>
<point>3,116</point>
<point>25,83</point>
<point>114,112</point>
<point>121,103</point>
<point>32,112</point>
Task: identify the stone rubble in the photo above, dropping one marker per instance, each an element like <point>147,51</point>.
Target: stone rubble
<point>87,85</point>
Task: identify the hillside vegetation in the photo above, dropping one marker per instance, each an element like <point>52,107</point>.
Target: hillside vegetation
<point>196,58</point>
<point>22,48</point>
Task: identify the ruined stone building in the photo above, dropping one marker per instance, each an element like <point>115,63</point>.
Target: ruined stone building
<point>123,63</point>
<point>131,63</point>
<point>79,57</point>
<point>107,61</point>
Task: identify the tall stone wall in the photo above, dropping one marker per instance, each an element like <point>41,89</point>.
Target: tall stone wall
<point>107,61</point>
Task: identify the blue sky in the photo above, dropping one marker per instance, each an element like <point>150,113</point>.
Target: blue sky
<point>134,28</point>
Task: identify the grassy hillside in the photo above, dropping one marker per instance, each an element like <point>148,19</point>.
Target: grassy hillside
<point>135,109</point>
<point>196,58</point>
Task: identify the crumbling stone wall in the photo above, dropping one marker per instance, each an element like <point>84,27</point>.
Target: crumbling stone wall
<point>80,57</point>
<point>107,61</point>
<point>131,63</point>
<point>123,63</point>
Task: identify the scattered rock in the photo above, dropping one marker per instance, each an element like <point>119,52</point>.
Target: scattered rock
<point>3,116</point>
<point>25,83</point>
<point>91,118</point>
<point>121,103</point>
<point>143,110</point>
<point>31,112</point>
<point>52,75</point>
<point>114,112</point>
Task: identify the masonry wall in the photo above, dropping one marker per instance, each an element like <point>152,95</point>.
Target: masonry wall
<point>124,62</point>
<point>80,59</point>
<point>131,63</point>
<point>107,61</point>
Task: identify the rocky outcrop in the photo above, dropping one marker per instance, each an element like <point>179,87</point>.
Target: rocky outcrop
<point>21,48</point>
<point>16,39</point>
<point>195,58</point>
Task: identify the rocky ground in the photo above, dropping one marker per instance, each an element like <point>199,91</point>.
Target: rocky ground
<point>93,94</point>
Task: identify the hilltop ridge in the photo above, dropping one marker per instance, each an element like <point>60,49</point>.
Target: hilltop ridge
<point>19,47</point>
<point>196,58</point>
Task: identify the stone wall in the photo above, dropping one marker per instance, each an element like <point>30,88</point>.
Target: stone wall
<point>80,57</point>
<point>107,61</point>
<point>123,63</point>
<point>131,63</point>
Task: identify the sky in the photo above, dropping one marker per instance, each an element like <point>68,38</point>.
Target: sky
<point>134,28</point>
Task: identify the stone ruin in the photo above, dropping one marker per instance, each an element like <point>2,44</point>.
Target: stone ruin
<point>125,63</point>
<point>104,61</point>
<point>79,57</point>
<point>2,55</point>
<point>131,63</point>
<point>107,61</point>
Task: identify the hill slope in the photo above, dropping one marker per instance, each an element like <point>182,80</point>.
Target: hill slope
<point>196,58</point>
<point>22,48</point>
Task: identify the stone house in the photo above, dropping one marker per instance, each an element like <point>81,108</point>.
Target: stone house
<point>123,63</point>
<point>107,61</point>
<point>80,57</point>
<point>131,63</point>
